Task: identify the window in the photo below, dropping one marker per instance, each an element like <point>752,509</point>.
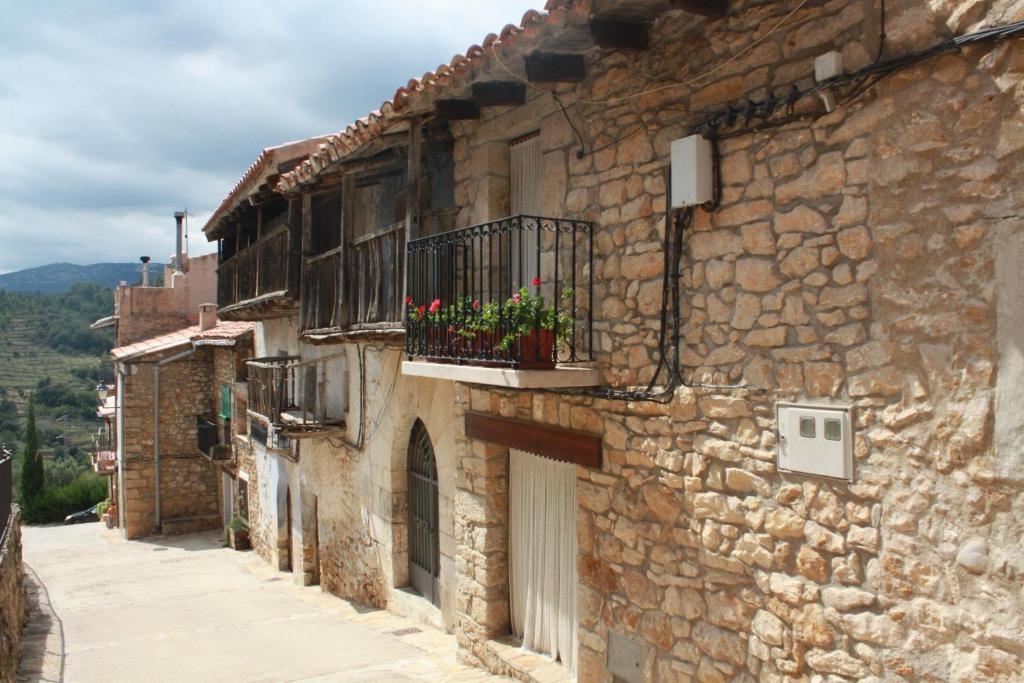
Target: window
<point>225,401</point>
<point>807,427</point>
<point>833,429</point>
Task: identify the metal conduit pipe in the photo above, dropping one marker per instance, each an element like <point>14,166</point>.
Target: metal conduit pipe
<point>156,428</point>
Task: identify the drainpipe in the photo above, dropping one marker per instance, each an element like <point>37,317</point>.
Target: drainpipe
<point>179,253</point>
<point>156,427</point>
<point>122,371</point>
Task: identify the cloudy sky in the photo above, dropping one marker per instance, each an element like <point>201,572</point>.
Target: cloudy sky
<point>115,114</point>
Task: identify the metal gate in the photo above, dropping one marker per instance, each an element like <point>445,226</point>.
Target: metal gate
<point>424,551</point>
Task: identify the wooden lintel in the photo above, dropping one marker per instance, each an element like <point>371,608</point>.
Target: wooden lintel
<point>499,93</point>
<point>618,34</point>
<point>707,8</point>
<point>457,109</point>
<point>555,67</point>
<point>565,445</point>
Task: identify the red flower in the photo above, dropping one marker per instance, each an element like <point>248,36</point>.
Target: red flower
<point>451,330</point>
<point>421,310</point>
<point>476,304</point>
<point>536,282</point>
<point>435,305</point>
<point>408,301</point>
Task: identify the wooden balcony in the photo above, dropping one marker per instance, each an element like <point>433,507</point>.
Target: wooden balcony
<point>255,281</point>
<point>357,287</point>
<point>292,395</point>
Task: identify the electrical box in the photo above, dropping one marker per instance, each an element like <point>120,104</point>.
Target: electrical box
<point>692,172</point>
<point>815,439</point>
<point>828,65</point>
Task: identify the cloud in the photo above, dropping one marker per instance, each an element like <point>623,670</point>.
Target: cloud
<point>117,114</point>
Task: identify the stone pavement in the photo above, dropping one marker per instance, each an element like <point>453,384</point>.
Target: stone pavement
<point>185,608</point>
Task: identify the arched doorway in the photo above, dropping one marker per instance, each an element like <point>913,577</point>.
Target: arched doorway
<point>424,545</point>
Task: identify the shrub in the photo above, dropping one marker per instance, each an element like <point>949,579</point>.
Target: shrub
<point>54,504</point>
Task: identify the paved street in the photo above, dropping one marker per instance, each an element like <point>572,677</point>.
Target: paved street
<point>186,609</point>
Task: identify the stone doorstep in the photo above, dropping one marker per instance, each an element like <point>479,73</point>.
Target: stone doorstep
<point>407,603</point>
<point>524,665</point>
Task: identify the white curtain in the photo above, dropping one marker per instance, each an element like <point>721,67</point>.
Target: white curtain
<point>525,200</point>
<point>542,555</point>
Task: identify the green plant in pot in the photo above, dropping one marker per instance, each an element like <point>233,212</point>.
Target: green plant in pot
<point>532,328</point>
<point>238,533</point>
<point>220,451</point>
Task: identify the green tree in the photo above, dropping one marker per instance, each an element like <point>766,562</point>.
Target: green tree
<point>33,477</point>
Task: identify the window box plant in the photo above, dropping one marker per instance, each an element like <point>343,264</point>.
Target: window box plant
<point>522,330</point>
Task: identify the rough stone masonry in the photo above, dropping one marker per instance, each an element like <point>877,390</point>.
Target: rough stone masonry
<point>851,259</point>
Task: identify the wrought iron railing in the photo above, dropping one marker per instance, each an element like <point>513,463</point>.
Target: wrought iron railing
<point>257,270</point>
<point>320,281</point>
<point>6,491</point>
<point>513,292</point>
<point>207,436</point>
<point>102,441</point>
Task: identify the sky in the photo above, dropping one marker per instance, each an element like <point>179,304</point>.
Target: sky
<point>113,115</point>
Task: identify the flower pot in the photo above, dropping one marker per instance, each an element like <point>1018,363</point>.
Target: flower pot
<point>536,350</point>
<point>238,540</point>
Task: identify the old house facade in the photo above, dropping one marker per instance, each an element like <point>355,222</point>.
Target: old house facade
<point>646,507</point>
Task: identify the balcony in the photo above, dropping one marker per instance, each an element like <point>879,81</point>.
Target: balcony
<point>104,456</point>
<point>256,277</point>
<point>506,303</point>
<point>210,443</point>
<point>365,295</point>
<point>292,396</point>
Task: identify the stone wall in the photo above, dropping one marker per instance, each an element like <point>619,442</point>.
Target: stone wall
<point>850,260</point>
<point>189,486</point>
<point>13,605</point>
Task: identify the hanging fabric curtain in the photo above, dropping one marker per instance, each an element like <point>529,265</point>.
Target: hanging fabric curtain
<point>524,160</point>
<point>542,557</point>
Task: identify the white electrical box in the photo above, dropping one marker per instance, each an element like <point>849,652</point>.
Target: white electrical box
<point>815,439</point>
<point>692,172</point>
<point>828,65</point>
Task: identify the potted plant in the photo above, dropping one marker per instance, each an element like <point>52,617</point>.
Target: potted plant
<point>238,533</point>
<point>220,451</point>
<point>523,328</point>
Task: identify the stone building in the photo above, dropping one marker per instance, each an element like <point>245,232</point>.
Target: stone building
<point>646,508</point>
<point>173,415</point>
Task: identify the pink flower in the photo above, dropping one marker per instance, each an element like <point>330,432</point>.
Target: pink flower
<point>517,298</point>
<point>536,282</point>
<point>435,305</point>
<point>476,304</point>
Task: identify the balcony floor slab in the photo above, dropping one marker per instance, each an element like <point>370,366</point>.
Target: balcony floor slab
<point>562,377</point>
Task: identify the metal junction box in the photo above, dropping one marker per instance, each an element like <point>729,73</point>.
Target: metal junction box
<point>815,439</point>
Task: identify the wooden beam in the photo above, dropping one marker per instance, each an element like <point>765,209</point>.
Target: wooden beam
<point>617,34</point>
<point>457,109</point>
<point>707,8</point>
<point>499,93</point>
<point>565,445</point>
<point>555,67</point>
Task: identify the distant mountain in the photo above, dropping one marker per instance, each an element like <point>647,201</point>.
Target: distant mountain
<point>57,278</point>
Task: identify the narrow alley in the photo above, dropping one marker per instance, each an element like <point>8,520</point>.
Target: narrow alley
<point>187,609</point>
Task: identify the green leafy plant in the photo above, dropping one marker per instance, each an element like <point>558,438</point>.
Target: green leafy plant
<point>102,507</point>
<point>237,524</point>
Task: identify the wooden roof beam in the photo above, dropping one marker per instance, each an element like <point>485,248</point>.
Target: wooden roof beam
<point>619,34</point>
<point>555,67</point>
<point>708,8</point>
<point>499,93</point>
<point>457,109</point>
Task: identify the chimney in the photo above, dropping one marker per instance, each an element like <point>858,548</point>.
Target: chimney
<point>207,316</point>
<point>179,256</point>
